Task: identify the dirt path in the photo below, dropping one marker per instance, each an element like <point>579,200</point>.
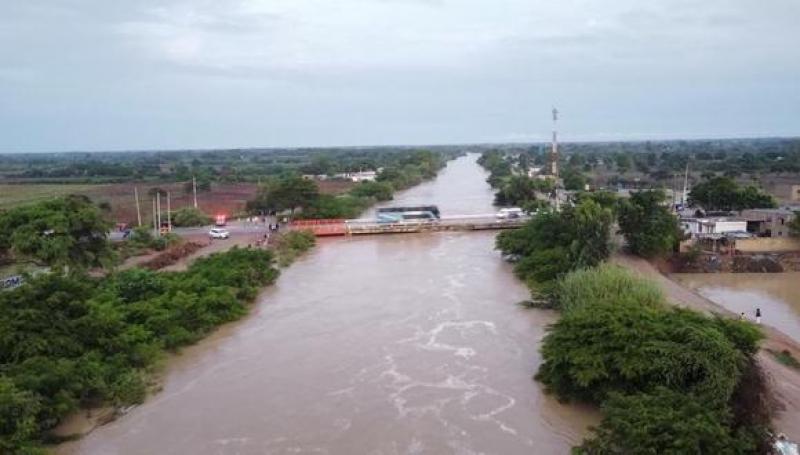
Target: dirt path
<point>785,382</point>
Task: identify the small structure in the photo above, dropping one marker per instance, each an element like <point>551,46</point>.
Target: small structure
<point>705,227</point>
<point>534,171</point>
<point>363,176</point>
<point>769,222</point>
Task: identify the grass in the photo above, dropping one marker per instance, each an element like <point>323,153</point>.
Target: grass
<point>785,357</point>
<point>12,195</point>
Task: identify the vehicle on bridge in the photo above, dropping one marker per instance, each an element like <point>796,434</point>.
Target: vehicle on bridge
<point>419,214</point>
<point>510,213</point>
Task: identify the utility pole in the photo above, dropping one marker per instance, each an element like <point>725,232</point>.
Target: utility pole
<point>194,190</point>
<point>554,158</point>
<point>554,149</point>
<point>155,220</point>
<point>686,184</point>
<point>169,213</point>
<point>138,210</point>
<point>158,208</point>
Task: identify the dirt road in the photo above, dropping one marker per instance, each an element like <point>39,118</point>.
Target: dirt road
<point>785,381</point>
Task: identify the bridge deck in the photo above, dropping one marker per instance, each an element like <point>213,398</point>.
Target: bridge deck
<point>371,227</point>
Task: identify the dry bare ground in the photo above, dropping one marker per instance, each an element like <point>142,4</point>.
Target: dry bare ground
<point>784,381</point>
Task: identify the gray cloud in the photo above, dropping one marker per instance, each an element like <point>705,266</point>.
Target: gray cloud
<point>91,74</point>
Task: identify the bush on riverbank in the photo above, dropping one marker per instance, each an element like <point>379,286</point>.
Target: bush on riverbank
<point>604,284</point>
<point>293,244</point>
<point>552,244</point>
<point>72,341</point>
<point>670,380</point>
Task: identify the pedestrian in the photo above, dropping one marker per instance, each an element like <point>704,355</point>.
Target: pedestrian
<point>758,315</point>
<point>741,316</point>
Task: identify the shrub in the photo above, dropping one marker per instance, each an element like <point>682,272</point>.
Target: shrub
<point>604,284</point>
<point>627,347</point>
<point>292,244</point>
<point>662,422</point>
<point>379,191</point>
<point>72,341</point>
<point>552,244</point>
<point>190,216</point>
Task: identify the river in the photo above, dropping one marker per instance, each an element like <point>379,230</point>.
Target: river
<point>776,294</point>
<point>395,344</point>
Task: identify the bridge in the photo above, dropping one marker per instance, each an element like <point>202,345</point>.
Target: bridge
<point>340,227</point>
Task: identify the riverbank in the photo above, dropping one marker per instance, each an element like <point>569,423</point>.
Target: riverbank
<point>784,380</point>
<point>379,344</point>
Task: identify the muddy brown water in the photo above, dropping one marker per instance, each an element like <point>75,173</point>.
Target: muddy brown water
<point>397,344</point>
<point>776,294</point>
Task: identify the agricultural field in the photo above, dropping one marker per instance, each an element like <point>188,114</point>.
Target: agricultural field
<point>223,198</point>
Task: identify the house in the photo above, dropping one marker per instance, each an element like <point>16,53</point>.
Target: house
<point>769,222</point>
<point>533,171</point>
<point>706,227</point>
<point>363,176</point>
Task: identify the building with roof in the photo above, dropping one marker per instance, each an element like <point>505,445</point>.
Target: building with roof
<point>769,222</point>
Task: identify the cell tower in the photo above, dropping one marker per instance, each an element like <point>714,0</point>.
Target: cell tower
<point>554,150</point>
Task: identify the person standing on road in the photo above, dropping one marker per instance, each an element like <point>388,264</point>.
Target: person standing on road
<point>758,315</point>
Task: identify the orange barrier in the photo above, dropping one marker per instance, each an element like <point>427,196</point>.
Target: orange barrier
<point>320,228</point>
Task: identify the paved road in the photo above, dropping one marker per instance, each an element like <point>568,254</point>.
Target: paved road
<point>234,227</point>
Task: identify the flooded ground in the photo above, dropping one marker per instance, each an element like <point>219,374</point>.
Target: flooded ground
<point>776,294</point>
<point>377,345</point>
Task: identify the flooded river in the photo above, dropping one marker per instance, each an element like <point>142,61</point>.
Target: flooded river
<point>396,344</point>
<point>776,294</point>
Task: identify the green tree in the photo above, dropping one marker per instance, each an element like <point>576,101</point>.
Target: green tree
<point>18,413</point>
<point>63,232</point>
<point>553,243</point>
<point>574,180</point>
<point>381,191</point>
<point>190,216</point>
<point>663,422</point>
<point>285,193</point>
<point>647,224</point>
<point>723,193</point>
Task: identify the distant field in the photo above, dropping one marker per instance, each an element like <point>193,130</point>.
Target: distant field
<point>11,195</point>
<point>224,198</point>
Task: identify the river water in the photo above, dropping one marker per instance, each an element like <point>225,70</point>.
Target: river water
<point>776,294</point>
<point>395,344</point>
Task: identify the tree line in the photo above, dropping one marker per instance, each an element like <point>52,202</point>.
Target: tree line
<point>70,340</point>
<point>668,380</point>
<point>301,195</point>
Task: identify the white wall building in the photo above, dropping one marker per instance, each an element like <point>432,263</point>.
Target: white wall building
<point>699,227</point>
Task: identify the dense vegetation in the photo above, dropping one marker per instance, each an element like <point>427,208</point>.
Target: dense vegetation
<point>669,380</point>
<point>294,193</point>
<point>723,193</point>
<point>189,216</point>
<point>67,232</point>
<point>72,341</point>
<point>650,229</point>
<point>292,244</point>
<point>757,163</point>
<point>222,166</point>
<point>554,243</point>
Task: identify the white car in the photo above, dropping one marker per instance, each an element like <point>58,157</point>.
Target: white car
<point>510,213</point>
<point>219,233</point>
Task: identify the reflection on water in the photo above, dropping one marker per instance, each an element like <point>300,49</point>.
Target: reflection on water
<point>389,344</point>
<point>777,294</point>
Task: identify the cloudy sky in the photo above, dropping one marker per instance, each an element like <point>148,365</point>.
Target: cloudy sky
<point>136,74</point>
